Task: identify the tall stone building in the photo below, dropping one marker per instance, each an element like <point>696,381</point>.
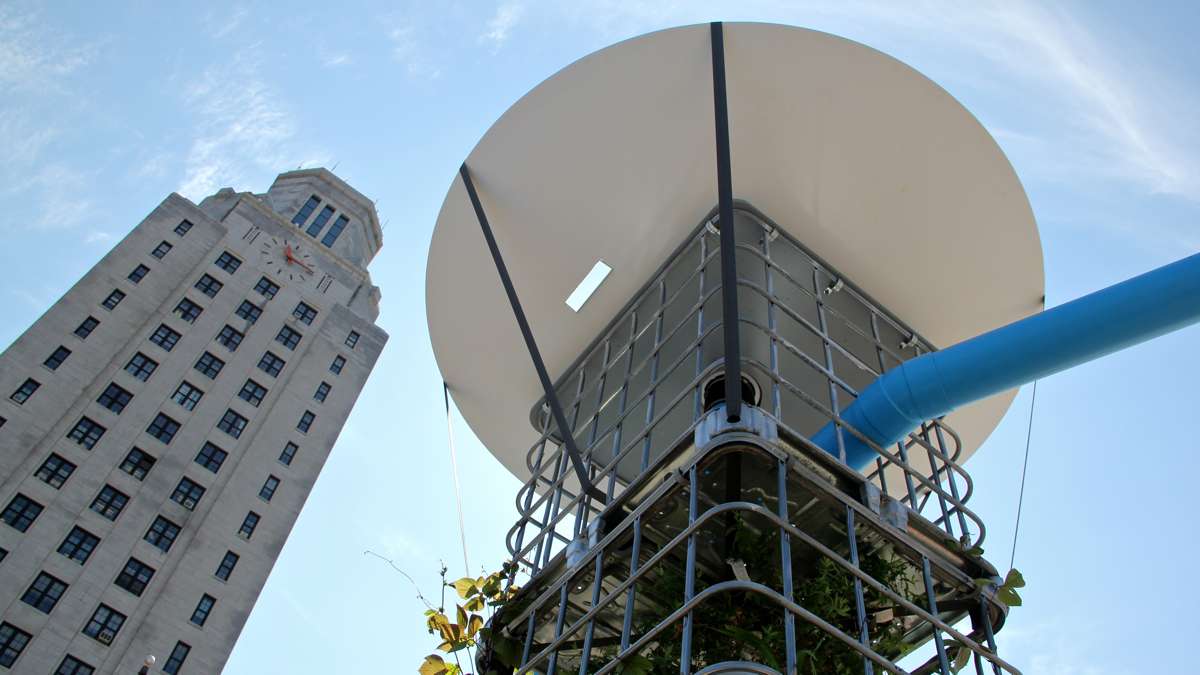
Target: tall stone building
<point>162,424</point>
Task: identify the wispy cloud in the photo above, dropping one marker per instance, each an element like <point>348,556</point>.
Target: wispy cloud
<point>335,59</point>
<point>32,55</point>
<point>226,24</point>
<point>243,125</point>
<point>408,50</point>
<point>501,24</point>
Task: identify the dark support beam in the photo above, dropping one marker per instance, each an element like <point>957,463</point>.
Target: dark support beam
<point>560,420</point>
<point>729,303</point>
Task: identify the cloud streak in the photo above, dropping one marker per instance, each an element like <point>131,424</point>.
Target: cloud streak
<point>243,127</point>
<point>498,28</point>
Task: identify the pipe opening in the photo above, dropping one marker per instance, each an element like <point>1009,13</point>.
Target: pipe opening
<point>714,391</point>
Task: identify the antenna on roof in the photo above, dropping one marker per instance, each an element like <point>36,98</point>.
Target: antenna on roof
<point>335,166</point>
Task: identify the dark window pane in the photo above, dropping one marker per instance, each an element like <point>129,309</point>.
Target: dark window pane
<point>211,457</point>
<point>115,398</point>
<point>138,273</point>
<point>232,423</point>
<point>85,329</point>
<point>104,625</point>
<point>141,366</point>
<point>55,470</point>
<point>209,365</point>
<point>228,262</point>
<point>78,545</point>
<point>110,303</point>
<point>135,577</point>
<point>332,235</point>
<point>161,250</point>
<point>163,428</point>
<point>183,227</point>
<point>138,463</point>
<point>164,337</point>
<point>266,288</point>
<point>305,211</point>
<point>109,502</point>
<point>86,432</point>
<point>162,534</point>
<point>188,493</point>
<point>56,359</point>
<point>21,512</point>
<point>44,592</point>
<point>24,391</point>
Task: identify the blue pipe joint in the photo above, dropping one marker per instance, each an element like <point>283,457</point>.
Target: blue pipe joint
<point>933,384</point>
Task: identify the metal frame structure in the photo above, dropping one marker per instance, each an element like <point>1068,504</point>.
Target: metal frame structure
<point>686,426</point>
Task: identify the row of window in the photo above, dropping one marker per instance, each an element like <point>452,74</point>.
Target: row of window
<point>103,626</point>
<point>318,223</point>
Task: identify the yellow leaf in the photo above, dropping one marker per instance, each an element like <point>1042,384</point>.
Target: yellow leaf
<point>474,625</point>
<point>475,604</point>
<point>433,665</point>
<point>462,616</point>
<point>466,587</point>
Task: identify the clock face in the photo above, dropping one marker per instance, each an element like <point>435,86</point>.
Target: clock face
<point>288,259</point>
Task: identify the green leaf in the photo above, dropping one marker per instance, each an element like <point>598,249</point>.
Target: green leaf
<point>636,665</point>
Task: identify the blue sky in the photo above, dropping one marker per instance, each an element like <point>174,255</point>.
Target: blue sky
<point>109,107</point>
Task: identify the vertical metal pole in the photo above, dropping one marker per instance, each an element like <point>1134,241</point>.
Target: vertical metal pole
<point>860,604</point>
<point>729,301</point>
<point>560,420</point>
<point>689,582</point>
<point>785,554</point>
<point>931,598</point>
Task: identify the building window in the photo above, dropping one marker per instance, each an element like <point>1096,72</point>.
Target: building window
<point>228,262</point>
<point>114,398</point>
<point>187,395</point>
<point>109,502</point>
<point>183,227</point>
<point>267,491</point>
<point>306,210</point>
<point>26,390</point>
<point>162,534</point>
<point>12,642</point>
<point>271,364</point>
<point>43,594</point>
<point>21,512</point>
<point>319,222</point>
<point>138,274</point>
<point>229,562</point>
<point>141,366</point>
<point>188,310</point>
<point>104,625</point>
<point>306,421</point>
<point>230,338</point>
<point>110,303</point>
<point>253,393</point>
<point>203,609</point>
<point>160,250</point>
<point>85,329</point>
<point>164,337</point>
<point>352,339</point>
<point>248,524</point>
<point>78,545</point>
<point>135,577</point>
<point>86,432</point>
<point>209,286</point>
<point>332,235</point>
<point>188,493</point>
<point>339,362</point>
<point>138,463</point>
<point>288,453</point>
<point>304,313</point>
<point>322,392</point>
<point>209,365</point>
<point>163,428</point>
<point>73,666</point>
<point>288,338</point>
<point>232,423</point>
<point>55,471</point>
<point>211,457</point>
<point>249,311</point>
<point>175,660</point>
<point>57,358</point>
<point>266,288</point>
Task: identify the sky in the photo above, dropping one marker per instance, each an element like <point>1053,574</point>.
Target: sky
<point>108,107</point>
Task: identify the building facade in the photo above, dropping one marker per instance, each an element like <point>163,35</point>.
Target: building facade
<point>164,421</point>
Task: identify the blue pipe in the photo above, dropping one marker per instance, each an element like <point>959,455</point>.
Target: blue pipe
<point>933,384</point>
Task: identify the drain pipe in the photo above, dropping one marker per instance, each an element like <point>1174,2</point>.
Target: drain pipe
<point>933,384</point>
